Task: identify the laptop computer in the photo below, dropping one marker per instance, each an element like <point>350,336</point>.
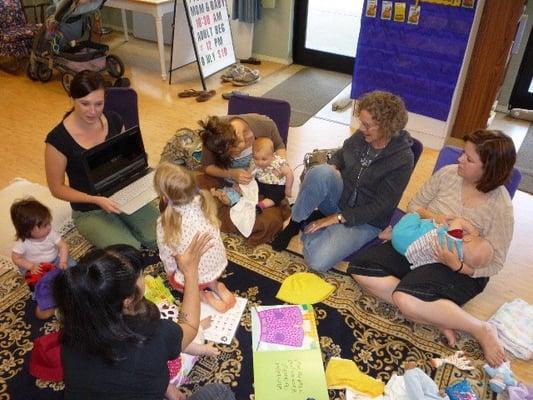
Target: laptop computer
<point>118,169</point>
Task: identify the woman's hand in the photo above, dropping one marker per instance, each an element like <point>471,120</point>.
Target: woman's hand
<point>107,205</point>
<point>448,257</point>
<point>240,176</point>
<point>188,260</point>
<point>321,223</point>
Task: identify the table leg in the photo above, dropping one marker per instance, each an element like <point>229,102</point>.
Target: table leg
<point>124,24</point>
<point>160,44</point>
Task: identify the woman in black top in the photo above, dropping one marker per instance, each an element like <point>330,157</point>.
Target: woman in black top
<point>98,218</point>
<point>114,344</point>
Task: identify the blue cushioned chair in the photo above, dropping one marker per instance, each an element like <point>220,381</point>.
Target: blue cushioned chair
<point>124,102</point>
<point>278,110</point>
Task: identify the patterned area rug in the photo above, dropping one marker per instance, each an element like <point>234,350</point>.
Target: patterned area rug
<point>351,323</point>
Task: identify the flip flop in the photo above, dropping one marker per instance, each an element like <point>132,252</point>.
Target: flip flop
<point>251,60</point>
<point>227,95</point>
<point>190,93</point>
<point>205,95</point>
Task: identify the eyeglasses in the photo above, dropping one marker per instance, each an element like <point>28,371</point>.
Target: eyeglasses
<point>365,125</point>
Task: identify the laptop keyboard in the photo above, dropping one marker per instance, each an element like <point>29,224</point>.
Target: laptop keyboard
<point>127,194</point>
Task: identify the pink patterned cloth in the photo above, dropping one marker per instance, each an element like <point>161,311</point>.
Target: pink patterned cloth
<point>282,326</point>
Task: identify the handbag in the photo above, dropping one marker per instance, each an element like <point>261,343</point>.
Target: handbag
<point>316,157</point>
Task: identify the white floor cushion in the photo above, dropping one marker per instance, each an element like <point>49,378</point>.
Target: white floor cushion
<point>19,188</point>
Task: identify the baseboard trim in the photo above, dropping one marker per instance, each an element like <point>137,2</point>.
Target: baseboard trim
<point>284,61</point>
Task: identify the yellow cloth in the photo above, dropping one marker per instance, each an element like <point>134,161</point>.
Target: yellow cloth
<point>156,291</point>
<point>304,288</point>
<point>342,373</point>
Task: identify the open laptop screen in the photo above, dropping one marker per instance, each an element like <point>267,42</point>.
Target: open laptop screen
<point>116,161</point>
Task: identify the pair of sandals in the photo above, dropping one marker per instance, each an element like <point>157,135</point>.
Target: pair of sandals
<point>201,95</point>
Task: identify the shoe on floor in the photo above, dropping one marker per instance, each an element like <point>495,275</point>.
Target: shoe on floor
<point>234,71</point>
<point>341,104</point>
<point>251,60</point>
<point>190,93</point>
<point>249,77</point>
<point>227,95</point>
<point>205,95</point>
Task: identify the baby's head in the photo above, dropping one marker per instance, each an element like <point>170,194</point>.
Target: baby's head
<point>174,184</point>
<point>263,152</point>
<point>32,220</point>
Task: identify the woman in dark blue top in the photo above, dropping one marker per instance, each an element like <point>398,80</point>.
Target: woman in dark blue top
<point>114,344</point>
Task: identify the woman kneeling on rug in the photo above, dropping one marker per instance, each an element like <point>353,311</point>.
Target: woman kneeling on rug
<point>97,218</point>
<point>358,191</point>
<point>434,293</point>
<point>226,156</point>
<point>114,344</point>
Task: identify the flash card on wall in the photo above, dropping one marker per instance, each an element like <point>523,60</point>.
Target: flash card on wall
<point>371,8</point>
<point>414,15</point>
<point>399,12</point>
<point>386,10</point>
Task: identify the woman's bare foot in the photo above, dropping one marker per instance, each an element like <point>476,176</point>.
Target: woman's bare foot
<point>221,196</point>
<point>450,335</point>
<point>386,234</point>
<point>491,345</point>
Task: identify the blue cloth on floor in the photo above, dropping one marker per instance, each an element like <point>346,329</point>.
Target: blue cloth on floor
<point>420,386</point>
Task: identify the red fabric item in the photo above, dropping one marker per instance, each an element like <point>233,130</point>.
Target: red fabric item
<point>45,361</point>
<point>174,367</point>
<point>32,278</point>
<point>456,233</point>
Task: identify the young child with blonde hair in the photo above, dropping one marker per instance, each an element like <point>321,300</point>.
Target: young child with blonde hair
<point>187,210</point>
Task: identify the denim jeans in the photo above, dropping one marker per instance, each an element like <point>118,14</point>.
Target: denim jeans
<point>322,189</point>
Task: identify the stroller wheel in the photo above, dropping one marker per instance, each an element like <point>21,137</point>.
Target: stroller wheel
<point>66,79</point>
<point>114,66</point>
<point>43,72</point>
<point>31,71</point>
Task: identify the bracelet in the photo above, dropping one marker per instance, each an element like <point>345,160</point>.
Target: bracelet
<point>461,267</point>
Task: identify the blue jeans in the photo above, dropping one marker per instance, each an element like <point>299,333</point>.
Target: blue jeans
<point>322,190</point>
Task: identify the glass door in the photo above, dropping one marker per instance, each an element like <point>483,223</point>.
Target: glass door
<point>325,33</point>
<point>522,95</point>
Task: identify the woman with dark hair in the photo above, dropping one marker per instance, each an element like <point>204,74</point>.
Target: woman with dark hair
<point>114,344</point>
<point>434,293</point>
<point>226,155</point>
<point>86,125</point>
<point>356,193</point>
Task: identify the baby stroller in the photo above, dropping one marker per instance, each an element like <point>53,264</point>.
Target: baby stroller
<point>64,43</point>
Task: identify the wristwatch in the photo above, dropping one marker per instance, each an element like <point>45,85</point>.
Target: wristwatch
<point>339,218</point>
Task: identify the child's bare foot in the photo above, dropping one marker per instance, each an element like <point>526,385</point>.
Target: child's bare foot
<point>491,345</point>
<point>210,298</point>
<point>386,234</point>
<point>225,295</point>
<point>221,196</point>
<point>201,349</point>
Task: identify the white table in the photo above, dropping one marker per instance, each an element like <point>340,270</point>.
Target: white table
<point>156,8</point>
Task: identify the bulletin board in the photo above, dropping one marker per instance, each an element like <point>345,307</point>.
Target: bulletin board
<point>415,53</point>
<point>211,35</point>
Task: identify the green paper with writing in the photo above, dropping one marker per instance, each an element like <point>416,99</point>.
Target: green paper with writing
<point>286,354</point>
